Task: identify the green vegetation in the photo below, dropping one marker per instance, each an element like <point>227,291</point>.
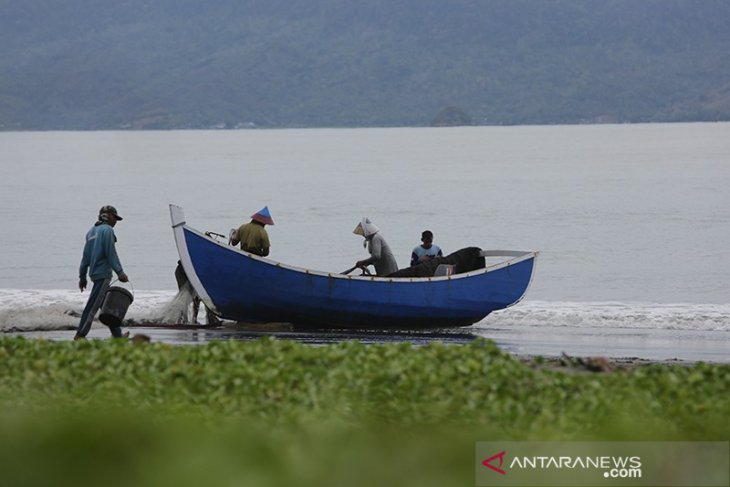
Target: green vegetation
<point>249,63</point>
<point>281,413</point>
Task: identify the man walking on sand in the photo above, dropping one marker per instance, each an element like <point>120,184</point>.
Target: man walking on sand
<point>99,259</point>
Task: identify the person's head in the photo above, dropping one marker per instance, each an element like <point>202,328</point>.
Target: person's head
<point>427,239</point>
<point>366,228</point>
<point>263,216</point>
<point>108,214</point>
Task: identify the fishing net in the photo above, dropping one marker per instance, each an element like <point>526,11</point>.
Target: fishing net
<point>179,309</point>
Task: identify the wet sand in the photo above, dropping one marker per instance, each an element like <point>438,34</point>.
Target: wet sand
<point>557,352</point>
<point>201,334</point>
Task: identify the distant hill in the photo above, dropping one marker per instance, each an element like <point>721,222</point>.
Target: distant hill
<point>137,64</point>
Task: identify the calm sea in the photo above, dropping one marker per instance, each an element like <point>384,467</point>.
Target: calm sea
<point>632,221</point>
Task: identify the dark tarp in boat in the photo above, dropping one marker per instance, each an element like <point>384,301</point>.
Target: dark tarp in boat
<point>464,260</point>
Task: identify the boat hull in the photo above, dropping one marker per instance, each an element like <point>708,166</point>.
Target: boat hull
<point>240,286</point>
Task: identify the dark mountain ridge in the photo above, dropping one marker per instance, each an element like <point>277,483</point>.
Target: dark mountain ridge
<point>83,64</point>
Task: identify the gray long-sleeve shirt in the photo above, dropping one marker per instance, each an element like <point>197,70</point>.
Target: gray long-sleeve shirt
<point>381,256</point>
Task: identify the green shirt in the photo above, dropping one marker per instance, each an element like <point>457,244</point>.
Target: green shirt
<point>253,238</point>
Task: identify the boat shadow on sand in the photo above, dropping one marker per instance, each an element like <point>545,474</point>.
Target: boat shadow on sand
<point>229,330</point>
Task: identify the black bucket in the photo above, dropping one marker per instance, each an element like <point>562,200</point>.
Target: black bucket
<point>116,302</point>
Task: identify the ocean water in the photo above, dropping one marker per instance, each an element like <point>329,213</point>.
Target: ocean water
<point>632,221</point>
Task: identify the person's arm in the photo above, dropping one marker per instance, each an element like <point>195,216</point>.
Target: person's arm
<point>376,247</point>
<point>265,243</point>
<point>414,258</point>
<point>84,266</point>
<point>233,237</point>
<point>111,253</point>
<point>365,262</point>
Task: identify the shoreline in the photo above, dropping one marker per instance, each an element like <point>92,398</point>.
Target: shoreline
<point>179,334</point>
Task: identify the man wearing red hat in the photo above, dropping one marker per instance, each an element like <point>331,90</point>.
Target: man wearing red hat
<point>252,236</point>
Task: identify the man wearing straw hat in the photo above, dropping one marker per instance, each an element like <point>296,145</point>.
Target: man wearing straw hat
<point>99,259</point>
<point>252,236</point>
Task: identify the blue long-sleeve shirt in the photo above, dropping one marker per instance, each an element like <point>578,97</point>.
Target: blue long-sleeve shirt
<point>100,254</point>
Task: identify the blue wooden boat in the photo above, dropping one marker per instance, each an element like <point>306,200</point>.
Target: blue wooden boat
<point>244,287</point>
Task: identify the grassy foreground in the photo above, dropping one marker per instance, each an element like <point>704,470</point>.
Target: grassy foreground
<point>277,413</point>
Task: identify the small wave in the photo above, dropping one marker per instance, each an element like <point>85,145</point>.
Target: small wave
<point>32,310</point>
<point>616,315</point>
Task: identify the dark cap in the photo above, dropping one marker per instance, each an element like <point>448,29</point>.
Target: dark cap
<point>109,210</point>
